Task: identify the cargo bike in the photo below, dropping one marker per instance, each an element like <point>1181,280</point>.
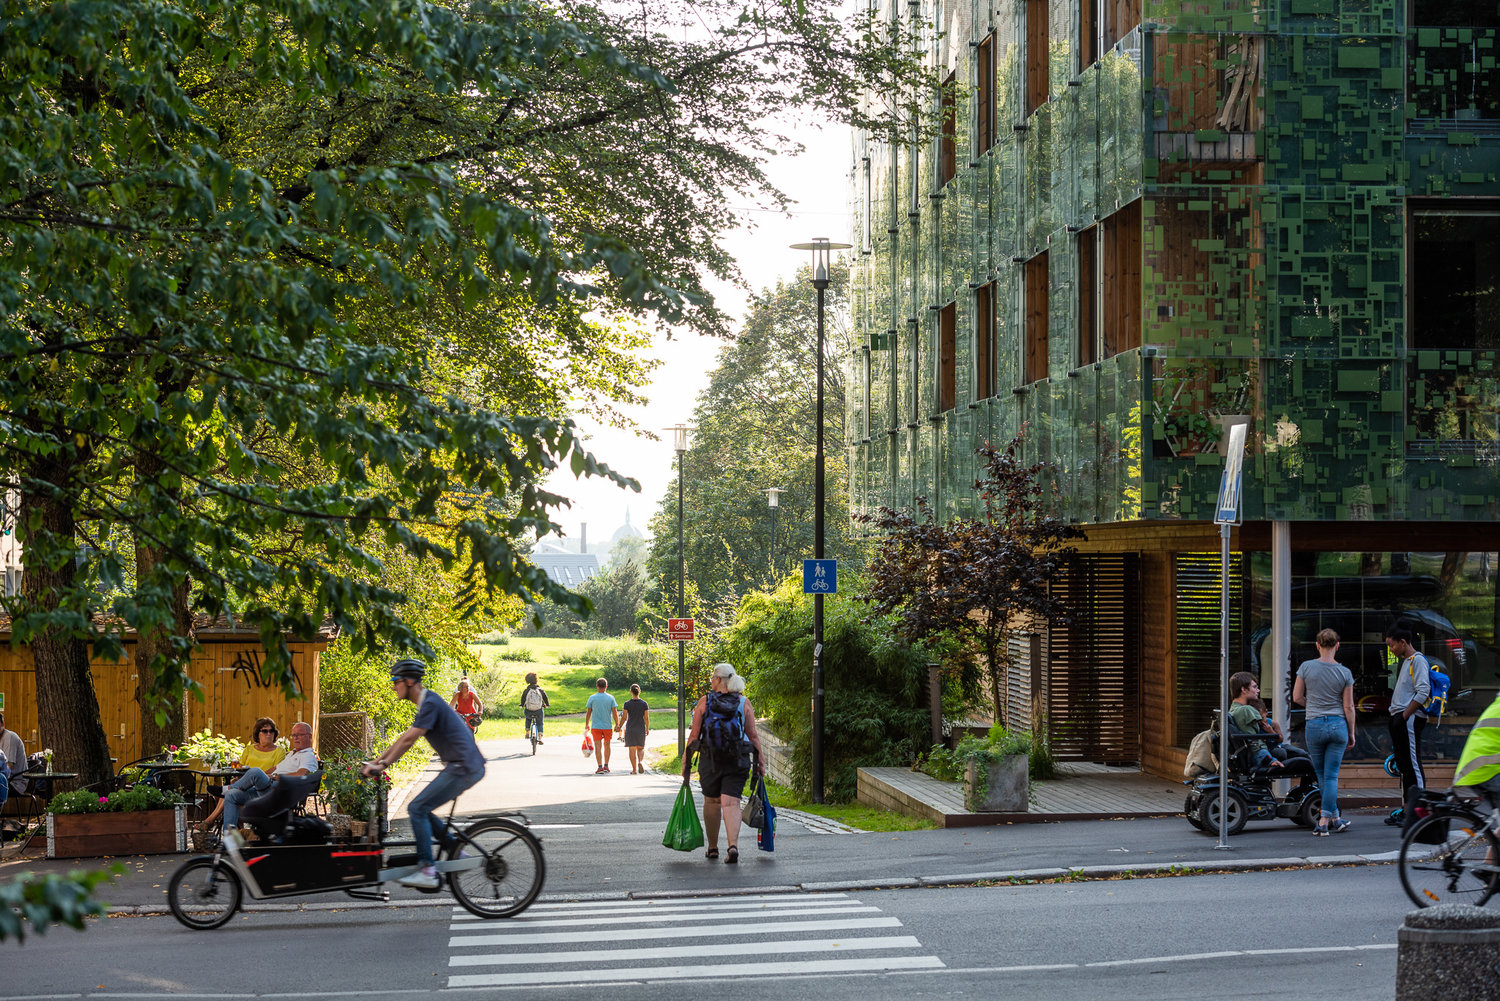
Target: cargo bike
<point>492,864</point>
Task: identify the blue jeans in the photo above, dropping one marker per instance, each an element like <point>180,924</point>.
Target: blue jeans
<point>245,788</point>
<point>425,828</point>
<point>540,715</point>
<point>1327,737</point>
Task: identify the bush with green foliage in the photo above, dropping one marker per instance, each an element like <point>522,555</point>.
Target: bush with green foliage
<point>496,692</point>
<point>64,899</point>
<point>133,800</point>
<point>873,683</point>
<point>650,666</point>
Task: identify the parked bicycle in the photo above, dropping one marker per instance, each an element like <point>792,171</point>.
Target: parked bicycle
<point>493,866</point>
<point>1450,854</point>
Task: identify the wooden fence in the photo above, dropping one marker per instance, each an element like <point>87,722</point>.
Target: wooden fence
<point>227,665</point>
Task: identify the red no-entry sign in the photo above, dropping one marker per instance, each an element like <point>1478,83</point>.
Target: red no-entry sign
<point>680,630</point>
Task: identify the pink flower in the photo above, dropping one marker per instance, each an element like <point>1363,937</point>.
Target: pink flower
<point>171,747</point>
<point>104,799</point>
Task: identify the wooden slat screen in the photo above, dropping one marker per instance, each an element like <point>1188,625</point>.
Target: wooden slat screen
<point>1197,631</point>
<point>1094,663</point>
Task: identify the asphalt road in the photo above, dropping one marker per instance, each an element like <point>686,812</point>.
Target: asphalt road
<point>1311,934</point>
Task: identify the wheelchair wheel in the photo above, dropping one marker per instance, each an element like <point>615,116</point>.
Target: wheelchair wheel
<point>512,874</point>
<point>204,893</point>
<point>1208,811</point>
<point>1310,811</point>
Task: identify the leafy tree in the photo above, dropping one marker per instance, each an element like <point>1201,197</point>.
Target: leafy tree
<point>973,580</point>
<point>755,428</point>
<point>873,683</point>
<point>615,592</point>
<point>630,549</point>
<point>279,277</point>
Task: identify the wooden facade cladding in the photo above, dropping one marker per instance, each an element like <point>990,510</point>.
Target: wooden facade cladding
<point>226,665</point>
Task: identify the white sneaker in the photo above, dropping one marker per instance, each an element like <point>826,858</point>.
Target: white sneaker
<point>423,879</point>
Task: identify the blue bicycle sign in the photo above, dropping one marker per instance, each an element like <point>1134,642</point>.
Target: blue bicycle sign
<point>820,576</point>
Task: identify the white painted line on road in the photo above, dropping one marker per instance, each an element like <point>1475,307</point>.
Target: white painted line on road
<point>636,919</point>
<point>634,934</point>
<point>1196,956</point>
<point>660,904</point>
<point>668,952</point>
<point>716,971</point>
<point>676,907</point>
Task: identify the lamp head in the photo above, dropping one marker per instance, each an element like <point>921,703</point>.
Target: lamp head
<point>821,247</point>
<point>773,496</point>
<point>679,437</point>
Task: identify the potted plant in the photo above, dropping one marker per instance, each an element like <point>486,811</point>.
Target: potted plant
<point>353,797</point>
<point>213,749</point>
<point>996,771</point>
<point>141,820</point>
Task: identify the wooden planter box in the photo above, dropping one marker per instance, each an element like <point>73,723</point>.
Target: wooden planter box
<point>88,835</point>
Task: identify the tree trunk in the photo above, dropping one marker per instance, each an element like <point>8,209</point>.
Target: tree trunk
<point>67,708</point>
<point>152,642</point>
<point>149,644</point>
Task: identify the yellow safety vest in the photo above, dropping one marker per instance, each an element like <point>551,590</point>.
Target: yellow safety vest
<point>1480,760</point>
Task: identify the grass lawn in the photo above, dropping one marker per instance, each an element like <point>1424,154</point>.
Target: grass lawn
<point>866,818</point>
<point>568,686</point>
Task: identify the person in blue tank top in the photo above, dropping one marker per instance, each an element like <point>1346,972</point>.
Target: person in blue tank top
<point>451,738</point>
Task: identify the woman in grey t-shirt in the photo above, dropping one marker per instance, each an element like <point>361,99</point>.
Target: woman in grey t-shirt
<point>1326,688</point>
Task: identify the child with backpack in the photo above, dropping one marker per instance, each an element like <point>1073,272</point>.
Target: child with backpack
<point>534,701</point>
<point>723,732</point>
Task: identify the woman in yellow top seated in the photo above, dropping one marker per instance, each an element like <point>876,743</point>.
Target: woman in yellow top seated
<point>262,752</point>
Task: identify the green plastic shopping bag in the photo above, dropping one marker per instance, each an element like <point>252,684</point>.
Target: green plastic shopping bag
<point>684,830</point>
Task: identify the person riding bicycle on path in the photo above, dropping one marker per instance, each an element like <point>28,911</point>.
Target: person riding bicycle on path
<point>466,701</point>
<point>1479,764</point>
<point>535,702</point>
<point>463,765</point>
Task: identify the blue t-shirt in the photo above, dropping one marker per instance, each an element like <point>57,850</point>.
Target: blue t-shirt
<point>600,705</point>
<point>449,735</point>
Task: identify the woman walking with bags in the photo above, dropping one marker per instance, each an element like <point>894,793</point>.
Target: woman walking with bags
<point>724,732</point>
<point>1326,688</point>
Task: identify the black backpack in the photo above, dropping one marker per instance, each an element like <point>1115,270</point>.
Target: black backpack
<point>723,726</point>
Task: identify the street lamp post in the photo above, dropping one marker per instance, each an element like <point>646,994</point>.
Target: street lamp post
<point>820,248</point>
<point>679,445</point>
<point>773,501</point>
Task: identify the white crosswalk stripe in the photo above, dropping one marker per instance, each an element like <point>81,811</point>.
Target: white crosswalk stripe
<point>796,935</point>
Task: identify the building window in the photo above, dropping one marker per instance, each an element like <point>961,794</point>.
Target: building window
<point>984,92</point>
<point>1088,296</point>
<point>1454,289</point>
<point>948,136</point>
<point>1121,322</point>
<point>1452,72</point>
<point>1121,17</point>
<point>1035,281</point>
<point>947,356</point>
<point>1088,34</point>
<point>984,341</point>
<point>1038,80</point>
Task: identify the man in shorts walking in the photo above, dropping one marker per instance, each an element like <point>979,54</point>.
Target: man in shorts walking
<point>602,714</point>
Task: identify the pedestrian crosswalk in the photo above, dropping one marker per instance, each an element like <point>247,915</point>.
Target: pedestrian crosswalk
<point>680,939</point>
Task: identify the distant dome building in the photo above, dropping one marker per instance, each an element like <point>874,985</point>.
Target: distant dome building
<point>626,531</point>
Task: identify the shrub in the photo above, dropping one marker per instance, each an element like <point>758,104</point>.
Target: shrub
<point>493,639</point>
<point>349,791</point>
<point>650,666</point>
<point>519,655</point>
<point>496,692</point>
<point>133,800</point>
<point>873,684</point>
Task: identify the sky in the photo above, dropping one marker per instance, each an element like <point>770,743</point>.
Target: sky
<point>817,182</point>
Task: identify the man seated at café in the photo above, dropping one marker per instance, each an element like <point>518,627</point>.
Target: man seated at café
<point>14,750</point>
<point>300,761</point>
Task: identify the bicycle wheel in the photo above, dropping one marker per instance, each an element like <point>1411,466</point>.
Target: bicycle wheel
<point>532,733</point>
<point>1438,859</point>
<point>511,876</point>
<point>203,893</point>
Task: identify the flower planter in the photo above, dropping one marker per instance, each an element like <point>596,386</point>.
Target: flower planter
<point>1001,787</point>
<point>88,835</point>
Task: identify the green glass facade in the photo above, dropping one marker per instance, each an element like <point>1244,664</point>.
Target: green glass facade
<point>1270,165</point>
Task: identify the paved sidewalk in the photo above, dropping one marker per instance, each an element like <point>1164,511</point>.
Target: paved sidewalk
<point>602,839</point>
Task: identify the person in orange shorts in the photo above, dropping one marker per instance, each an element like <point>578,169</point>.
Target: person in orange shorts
<point>601,715</point>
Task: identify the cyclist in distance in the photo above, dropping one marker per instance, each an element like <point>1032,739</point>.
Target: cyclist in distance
<point>449,736</point>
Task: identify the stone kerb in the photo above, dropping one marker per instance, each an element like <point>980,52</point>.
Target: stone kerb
<point>1449,952</point>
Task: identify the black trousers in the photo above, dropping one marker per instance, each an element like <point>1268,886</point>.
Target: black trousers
<point>1406,745</point>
